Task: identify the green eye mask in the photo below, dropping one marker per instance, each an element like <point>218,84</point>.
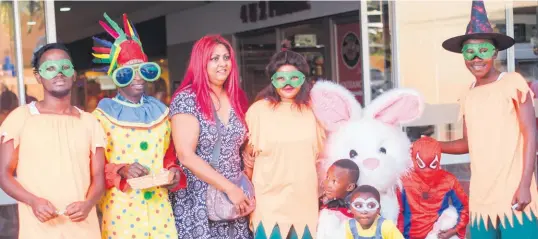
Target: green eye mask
<point>50,69</point>
<point>293,78</point>
<point>483,50</point>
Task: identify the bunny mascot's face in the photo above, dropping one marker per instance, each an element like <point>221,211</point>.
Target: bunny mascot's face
<point>371,137</point>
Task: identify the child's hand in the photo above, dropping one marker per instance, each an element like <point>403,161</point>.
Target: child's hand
<point>446,234</point>
<point>324,199</point>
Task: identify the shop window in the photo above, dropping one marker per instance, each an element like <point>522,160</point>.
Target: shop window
<point>379,40</point>
<point>8,102</point>
<point>526,48</point>
<point>312,41</point>
<point>254,53</point>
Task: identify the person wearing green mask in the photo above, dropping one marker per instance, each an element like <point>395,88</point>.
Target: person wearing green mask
<point>499,135</point>
<point>284,142</point>
<point>57,151</point>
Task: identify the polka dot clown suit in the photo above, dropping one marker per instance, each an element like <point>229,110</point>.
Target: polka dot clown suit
<point>137,132</point>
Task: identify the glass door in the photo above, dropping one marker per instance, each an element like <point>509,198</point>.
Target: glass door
<point>255,51</point>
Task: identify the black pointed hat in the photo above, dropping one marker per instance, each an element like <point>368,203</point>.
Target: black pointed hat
<point>479,28</point>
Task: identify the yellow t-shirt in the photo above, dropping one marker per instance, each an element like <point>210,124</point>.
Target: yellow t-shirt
<point>388,230</point>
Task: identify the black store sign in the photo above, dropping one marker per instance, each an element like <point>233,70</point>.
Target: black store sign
<point>260,11</point>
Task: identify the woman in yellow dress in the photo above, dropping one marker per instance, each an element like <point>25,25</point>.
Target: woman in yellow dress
<point>284,142</point>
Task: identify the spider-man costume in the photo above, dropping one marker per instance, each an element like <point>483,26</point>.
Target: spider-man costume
<point>427,191</point>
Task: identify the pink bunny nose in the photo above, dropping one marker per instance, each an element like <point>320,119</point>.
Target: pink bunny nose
<point>371,163</point>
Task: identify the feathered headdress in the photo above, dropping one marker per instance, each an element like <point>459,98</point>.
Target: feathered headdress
<point>126,47</point>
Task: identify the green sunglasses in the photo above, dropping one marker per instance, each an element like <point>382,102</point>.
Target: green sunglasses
<point>50,69</point>
<point>149,71</point>
<point>483,51</point>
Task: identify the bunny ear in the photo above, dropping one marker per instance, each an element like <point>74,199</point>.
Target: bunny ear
<point>396,107</point>
<point>333,104</point>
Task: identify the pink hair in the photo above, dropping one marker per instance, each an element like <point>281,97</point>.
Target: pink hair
<point>197,80</point>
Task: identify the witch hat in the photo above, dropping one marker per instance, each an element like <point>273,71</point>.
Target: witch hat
<point>479,28</point>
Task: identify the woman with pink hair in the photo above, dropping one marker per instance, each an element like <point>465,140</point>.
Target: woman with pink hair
<point>209,94</point>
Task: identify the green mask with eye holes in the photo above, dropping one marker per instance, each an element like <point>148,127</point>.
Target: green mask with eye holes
<point>50,69</point>
<point>483,51</point>
<point>293,78</point>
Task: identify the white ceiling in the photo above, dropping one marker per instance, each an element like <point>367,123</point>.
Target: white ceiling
<point>83,19</point>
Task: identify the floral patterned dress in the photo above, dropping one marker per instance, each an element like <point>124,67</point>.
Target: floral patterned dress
<point>189,204</point>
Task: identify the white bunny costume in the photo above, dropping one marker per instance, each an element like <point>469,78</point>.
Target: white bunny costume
<point>371,137</point>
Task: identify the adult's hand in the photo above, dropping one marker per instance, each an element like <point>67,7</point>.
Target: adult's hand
<point>175,181</point>
<point>249,158</point>
<point>241,202</point>
<point>134,170</point>
<point>43,209</point>
<point>522,197</point>
<point>78,211</point>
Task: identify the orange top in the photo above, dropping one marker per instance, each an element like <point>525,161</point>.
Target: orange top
<point>54,164</point>
<point>285,178</point>
<point>496,148</point>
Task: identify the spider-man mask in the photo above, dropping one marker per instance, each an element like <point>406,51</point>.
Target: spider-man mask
<point>426,154</point>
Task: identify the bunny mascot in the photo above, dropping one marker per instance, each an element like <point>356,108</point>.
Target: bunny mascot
<point>371,137</point>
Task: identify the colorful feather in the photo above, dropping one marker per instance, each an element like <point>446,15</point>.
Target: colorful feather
<point>109,30</point>
<point>101,61</point>
<point>114,61</point>
<point>113,24</point>
<point>134,30</point>
<point>103,42</point>
<point>109,54</point>
<point>127,27</point>
<point>102,69</point>
<point>101,56</point>
<point>101,50</point>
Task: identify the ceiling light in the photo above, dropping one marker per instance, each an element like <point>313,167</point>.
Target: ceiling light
<point>30,23</point>
<point>65,9</point>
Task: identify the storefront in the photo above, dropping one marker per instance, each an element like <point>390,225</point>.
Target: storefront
<point>259,29</point>
<point>398,41</point>
<point>24,27</point>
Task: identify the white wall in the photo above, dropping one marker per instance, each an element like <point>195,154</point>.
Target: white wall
<point>224,18</point>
